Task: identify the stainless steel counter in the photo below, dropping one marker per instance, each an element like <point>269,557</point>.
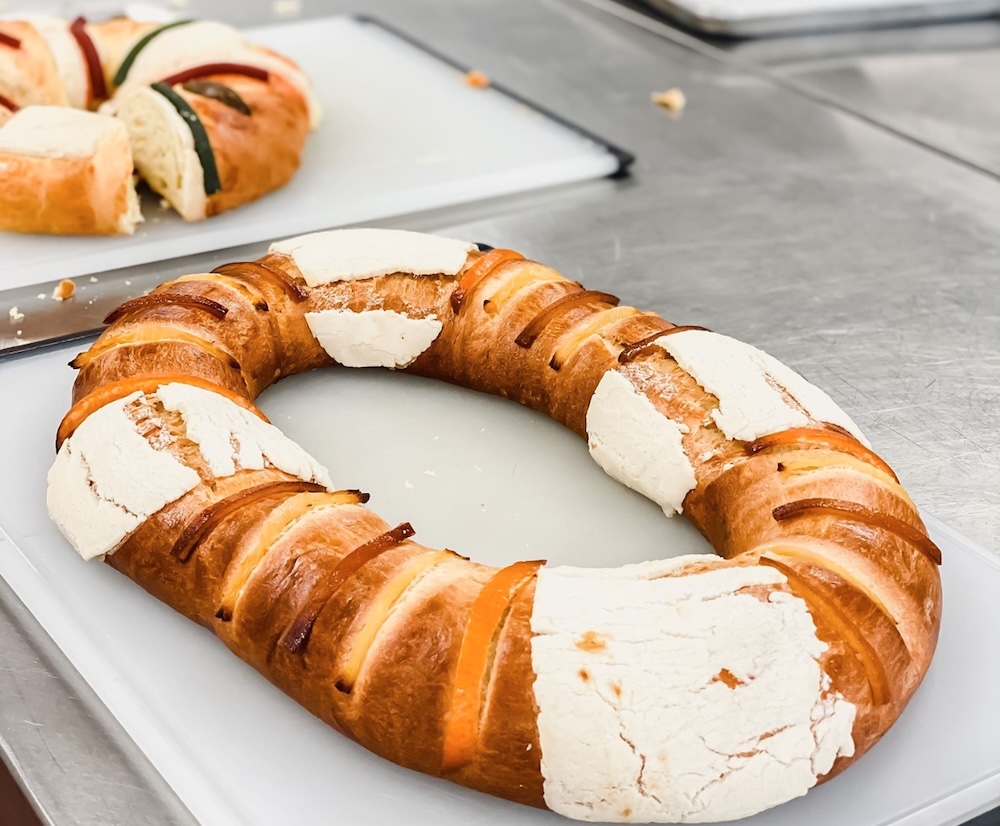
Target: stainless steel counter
<point>866,260</point>
<point>936,85</point>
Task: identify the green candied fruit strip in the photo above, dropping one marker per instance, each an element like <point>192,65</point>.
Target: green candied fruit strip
<point>202,146</point>
<point>122,72</point>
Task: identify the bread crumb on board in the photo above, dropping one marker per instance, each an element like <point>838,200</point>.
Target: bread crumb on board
<point>15,315</point>
<point>477,79</point>
<point>64,289</point>
<point>673,100</point>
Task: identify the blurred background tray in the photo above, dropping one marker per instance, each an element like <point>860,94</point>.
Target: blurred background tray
<point>762,18</point>
<point>402,132</point>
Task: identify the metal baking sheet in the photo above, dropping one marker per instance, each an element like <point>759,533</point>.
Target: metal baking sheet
<point>762,18</point>
<point>498,482</point>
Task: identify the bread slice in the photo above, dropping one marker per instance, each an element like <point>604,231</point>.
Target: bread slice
<point>69,61</point>
<point>67,172</point>
<point>29,74</point>
<point>164,150</point>
<point>199,161</point>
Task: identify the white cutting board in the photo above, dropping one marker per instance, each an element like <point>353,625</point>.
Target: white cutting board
<point>489,479</point>
<point>401,132</point>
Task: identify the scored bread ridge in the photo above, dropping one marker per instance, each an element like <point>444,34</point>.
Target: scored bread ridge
<point>63,192</point>
<point>693,689</point>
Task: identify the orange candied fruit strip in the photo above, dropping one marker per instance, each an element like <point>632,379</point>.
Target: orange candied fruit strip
<point>151,334</point>
<point>297,634</point>
<point>845,628</point>
<point>815,437</point>
<point>107,393</point>
<point>860,513</point>
<point>486,617</point>
<point>636,348</point>
<point>478,271</point>
<point>211,517</point>
<point>559,307</point>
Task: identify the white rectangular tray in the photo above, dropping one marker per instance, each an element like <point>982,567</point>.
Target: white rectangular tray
<point>761,18</point>
<point>492,480</point>
<point>401,132</point>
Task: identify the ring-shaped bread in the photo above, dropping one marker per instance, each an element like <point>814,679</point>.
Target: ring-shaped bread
<point>208,119</point>
<point>690,689</point>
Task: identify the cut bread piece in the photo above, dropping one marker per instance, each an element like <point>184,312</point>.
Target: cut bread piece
<point>69,60</point>
<point>164,149</point>
<point>67,172</point>
<point>28,72</point>
<point>195,149</point>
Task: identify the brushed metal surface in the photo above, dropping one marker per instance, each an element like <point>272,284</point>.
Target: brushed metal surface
<point>743,18</point>
<point>866,261</point>
<point>74,763</point>
<point>940,84</point>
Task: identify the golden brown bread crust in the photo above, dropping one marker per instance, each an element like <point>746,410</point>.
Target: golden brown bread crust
<point>256,154</point>
<point>113,40</point>
<point>875,597</point>
<point>69,195</point>
<point>28,74</point>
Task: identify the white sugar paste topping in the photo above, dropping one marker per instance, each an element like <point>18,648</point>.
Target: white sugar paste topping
<point>349,254</point>
<point>744,380</point>
<point>59,132</point>
<point>107,480</point>
<point>644,726</point>
<point>232,438</point>
<point>373,338</point>
<point>638,445</point>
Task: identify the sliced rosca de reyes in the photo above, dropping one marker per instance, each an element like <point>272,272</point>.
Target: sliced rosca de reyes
<point>214,121</point>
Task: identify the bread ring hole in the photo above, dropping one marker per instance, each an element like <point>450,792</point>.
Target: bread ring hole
<point>525,486</point>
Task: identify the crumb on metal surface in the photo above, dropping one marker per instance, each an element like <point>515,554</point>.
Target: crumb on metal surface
<point>15,315</point>
<point>673,100</point>
<point>477,79</point>
<point>64,289</point>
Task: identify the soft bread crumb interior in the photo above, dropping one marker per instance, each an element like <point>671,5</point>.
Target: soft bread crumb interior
<point>113,166</point>
<point>163,149</point>
<point>133,212</point>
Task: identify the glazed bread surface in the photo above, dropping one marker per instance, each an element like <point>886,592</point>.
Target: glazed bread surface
<point>692,689</point>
